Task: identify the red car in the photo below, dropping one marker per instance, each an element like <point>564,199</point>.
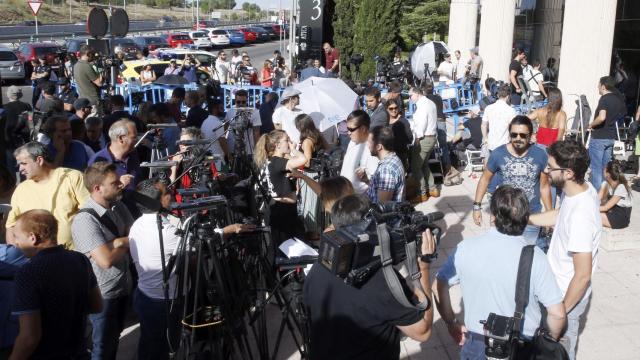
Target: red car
<point>30,51</point>
<point>175,40</point>
<point>249,36</point>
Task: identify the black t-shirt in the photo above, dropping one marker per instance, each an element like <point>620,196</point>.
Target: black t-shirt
<point>196,116</point>
<point>437,99</point>
<point>614,105</point>
<point>56,282</point>
<point>515,66</point>
<point>351,323</point>
<point>475,130</point>
<point>10,117</point>
<point>280,183</point>
<point>41,69</point>
<point>401,136</point>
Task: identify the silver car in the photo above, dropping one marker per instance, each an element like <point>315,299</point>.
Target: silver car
<point>10,67</point>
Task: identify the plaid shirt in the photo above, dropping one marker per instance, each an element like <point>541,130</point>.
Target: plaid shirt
<point>389,176</point>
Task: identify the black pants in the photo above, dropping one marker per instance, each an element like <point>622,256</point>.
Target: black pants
<point>285,222</point>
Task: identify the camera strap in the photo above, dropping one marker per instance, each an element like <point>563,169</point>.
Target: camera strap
<point>393,282</point>
<point>522,287</point>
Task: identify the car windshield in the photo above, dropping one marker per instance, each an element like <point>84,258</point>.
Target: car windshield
<point>124,42</point>
<point>198,35</point>
<point>180,37</point>
<point>46,50</point>
<point>7,56</point>
<point>155,40</point>
<point>219,32</point>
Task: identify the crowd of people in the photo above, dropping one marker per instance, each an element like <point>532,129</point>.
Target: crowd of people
<point>77,249</point>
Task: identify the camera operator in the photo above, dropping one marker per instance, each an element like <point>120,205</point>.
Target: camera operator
<point>189,67</point>
<point>367,322</point>
<point>246,74</point>
<point>486,268</point>
<point>88,81</point>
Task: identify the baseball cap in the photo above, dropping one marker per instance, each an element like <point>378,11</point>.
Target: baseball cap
<point>81,103</point>
<point>289,93</point>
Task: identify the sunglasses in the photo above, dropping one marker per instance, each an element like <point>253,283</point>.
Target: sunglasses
<point>392,108</point>
<point>353,129</point>
<point>241,102</point>
<point>520,135</point>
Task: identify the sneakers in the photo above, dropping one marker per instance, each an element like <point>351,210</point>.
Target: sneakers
<point>435,192</point>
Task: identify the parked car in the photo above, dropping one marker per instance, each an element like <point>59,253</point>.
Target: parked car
<point>269,29</point>
<point>200,39</point>
<point>249,36</point>
<point>261,34</point>
<point>203,24</point>
<point>30,23</point>
<point>11,68</point>
<point>127,46</point>
<point>220,37</point>
<point>130,70</point>
<point>182,40</point>
<point>204,57</point>
<point>280,30</point>
<point>73,45</point>
<point>151,43</point>
<point>30,51</point>
<point>236,37</point>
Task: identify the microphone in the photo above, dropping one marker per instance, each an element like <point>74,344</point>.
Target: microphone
<point>159,164</point>
<point>193,142</point>
<point>161,126</point>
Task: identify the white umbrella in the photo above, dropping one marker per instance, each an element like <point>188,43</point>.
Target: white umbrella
<point>427,53</point>
<point>327,100</point>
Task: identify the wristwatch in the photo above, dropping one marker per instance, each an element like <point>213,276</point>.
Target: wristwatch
<point>427,258</point>
<point>477,206</point>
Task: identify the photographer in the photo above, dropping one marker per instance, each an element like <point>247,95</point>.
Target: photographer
<point>486,268</point>
<point>88,81</point>
<point>367,322</point>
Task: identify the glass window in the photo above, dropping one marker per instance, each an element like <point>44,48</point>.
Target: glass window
<point>7,56</point>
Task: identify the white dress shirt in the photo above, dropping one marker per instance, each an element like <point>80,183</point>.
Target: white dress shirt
<point>424,118</point>
<point>498,115</point>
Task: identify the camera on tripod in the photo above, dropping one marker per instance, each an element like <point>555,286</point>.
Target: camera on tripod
<point>351,252</point>
<point>326,163</point>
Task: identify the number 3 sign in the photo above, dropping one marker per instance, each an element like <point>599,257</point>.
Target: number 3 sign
<point>317,10</point>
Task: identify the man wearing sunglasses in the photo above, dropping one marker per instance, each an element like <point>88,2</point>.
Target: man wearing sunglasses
<point>520,165</point>
<point>358,162</point>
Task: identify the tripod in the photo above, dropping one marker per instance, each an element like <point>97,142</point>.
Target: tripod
<point>240,163</point>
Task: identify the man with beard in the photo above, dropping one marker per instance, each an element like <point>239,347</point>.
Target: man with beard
<point>520,165</point>
<point>573,252</point>
<point>387,183</point>
<point>100,231</point>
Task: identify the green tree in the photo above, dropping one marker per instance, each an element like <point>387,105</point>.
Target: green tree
<point>163,3</point>
<point>343,30</point>
<point>376,31</point>
<point>211,5</point>
<point>149,2</point>
<point>423,17</point>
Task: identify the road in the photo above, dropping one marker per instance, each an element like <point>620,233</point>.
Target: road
<point>258,53</point>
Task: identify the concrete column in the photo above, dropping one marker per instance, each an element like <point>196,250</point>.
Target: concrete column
<point>463,21</point>
<point>548,34</point>
<point>585,56</point>
<point>497,20</point>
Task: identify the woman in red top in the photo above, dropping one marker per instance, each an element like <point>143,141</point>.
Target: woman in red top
<point>551,119</point>
<point>266,75</point>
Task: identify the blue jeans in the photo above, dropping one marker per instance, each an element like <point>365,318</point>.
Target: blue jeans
<point>570,339</point>
<point>153,327</point>
<point>600,153</point>
<point>473,348</point>
<point>107,326</point>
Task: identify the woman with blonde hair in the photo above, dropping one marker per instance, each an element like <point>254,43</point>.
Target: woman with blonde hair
<point>266,76</point>
<point>276,156</point>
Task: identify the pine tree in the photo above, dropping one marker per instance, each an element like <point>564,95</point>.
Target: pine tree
<point>343,27</point>
<point>376,31</point>
<point>423,17</point>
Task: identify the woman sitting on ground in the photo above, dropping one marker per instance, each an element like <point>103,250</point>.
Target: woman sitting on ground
<point>615,197</point>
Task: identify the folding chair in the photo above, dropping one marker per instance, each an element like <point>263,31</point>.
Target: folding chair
<point>475,162</point>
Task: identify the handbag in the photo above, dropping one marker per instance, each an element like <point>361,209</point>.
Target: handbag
<point>543,346</point>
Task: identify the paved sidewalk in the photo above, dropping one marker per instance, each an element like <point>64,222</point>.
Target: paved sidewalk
<point>613,319</point>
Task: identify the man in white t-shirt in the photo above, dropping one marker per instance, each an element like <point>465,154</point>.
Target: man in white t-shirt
<point>248,121</point>
<point>212,129</point>
<point>358,159</point>
<point>573,251</point>
<point>460,66</point>
<point>496,119</point>
<point>223,67</point>
<point>285,115</point>
<point>445,70</point>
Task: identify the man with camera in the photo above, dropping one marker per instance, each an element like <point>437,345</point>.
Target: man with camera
<point>88,81</point>
<point>486,267</point>
<point>366,322</point>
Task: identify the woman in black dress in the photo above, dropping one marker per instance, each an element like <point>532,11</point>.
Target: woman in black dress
<point>401,130</point>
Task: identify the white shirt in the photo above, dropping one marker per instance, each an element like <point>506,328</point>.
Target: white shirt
<point>358,156</point>
<point>249,141</point>
<point>211,130</point>
<point>498,115</point>
<point>424,119</point>
<point>532,77</point>
<point>578,229</point>
<point>223,68</point>
<point>461,68</point>
<point>286,118</point>
<point>144,245</point>
<point>621,191</point>
<point>446,71</point>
